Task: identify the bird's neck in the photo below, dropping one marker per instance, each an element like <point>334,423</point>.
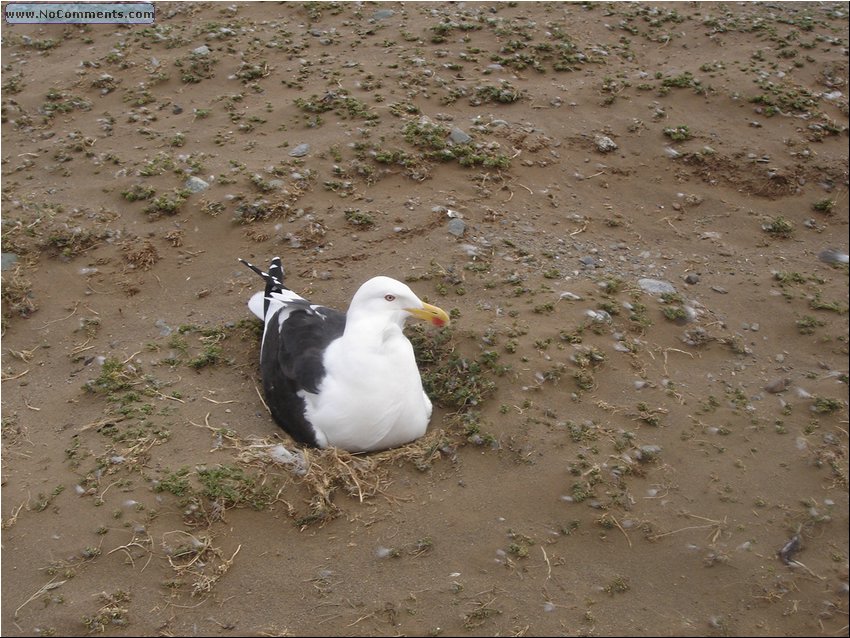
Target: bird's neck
<point>365,331</point>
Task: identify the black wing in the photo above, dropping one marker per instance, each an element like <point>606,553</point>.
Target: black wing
<point>292,358</point>
<point>293,361</point>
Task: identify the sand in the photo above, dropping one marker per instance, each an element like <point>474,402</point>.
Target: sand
<point>637,216</point>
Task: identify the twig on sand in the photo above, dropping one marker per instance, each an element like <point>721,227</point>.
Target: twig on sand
<point>17,376</point>
<point>548,564</point>
<point>73,312</point>
<point>53,584</point>
<point>717,526</point>
<point>259,394</point>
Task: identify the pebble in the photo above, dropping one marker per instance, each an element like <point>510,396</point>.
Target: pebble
<point>589,261</point>
<point>300,151</point>
<point>7,260</point>
<point>599,316</point>
<point>383,14</point>
<point>570,295</point>
<point>196,185</point>
<point>164,328</point>
<point>456,227</point>
<point>458,136</point>
<point>777,385</point>
<point>719,289</point>
<point>656,286</point>
<point>832,256</point>
<point>605,144</point>
<point>692,278</point>
<point>202,50</point>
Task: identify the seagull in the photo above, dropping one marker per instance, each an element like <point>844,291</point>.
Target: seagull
<point>346,380</point>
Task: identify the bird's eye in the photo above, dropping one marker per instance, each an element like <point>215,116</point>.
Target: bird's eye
<point>389,297</point>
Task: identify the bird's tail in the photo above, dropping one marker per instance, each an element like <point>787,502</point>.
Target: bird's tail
<point>273,279</point>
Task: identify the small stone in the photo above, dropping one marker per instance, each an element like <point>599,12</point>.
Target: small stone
<point>719,289</point>
<point>656,286</point>
<point>196,185</point>
<point>599,316</point>
<point>832,256</point>
<point>300,151</point>
<point>177,109</point>
<point>589,261</point>
<point>8,260</point>
<point>777,385</point>
<point>164,328</point>
<point>456,227</point>
<point>383,14</point>
<point>202,50</point>
<point>692,278</point>
<point>458,136</point>
<point>605,144</point>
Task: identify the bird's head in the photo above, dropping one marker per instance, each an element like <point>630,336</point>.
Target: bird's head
<point>385,296</point>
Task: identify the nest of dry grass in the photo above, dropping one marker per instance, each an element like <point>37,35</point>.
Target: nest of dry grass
<point>325,473</point>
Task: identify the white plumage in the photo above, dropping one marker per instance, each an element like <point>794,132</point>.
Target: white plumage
<point>343,380</point>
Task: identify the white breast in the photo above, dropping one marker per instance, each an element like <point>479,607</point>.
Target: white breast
<point>371,397</point>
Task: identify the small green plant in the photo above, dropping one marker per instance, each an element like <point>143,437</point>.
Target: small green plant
<point>168,204</point>
<point>648,415</point>
<point>506,93</point>
<point>210,355</point>
<point>138,192</point>
<point>824,206</point>
<point>807,324</point>
<point>682,81</point>
<point>231,486</point>
<point>175,482</point>
<point>619,585</point>
<point>779,227</point>
<point>678,133</point>
<point>824,405</point>
<point>358,218</point>
<point>675,313</point>
<point>196,67</point>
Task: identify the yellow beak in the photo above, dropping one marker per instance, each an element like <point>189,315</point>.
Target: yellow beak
<point>427,312</point>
